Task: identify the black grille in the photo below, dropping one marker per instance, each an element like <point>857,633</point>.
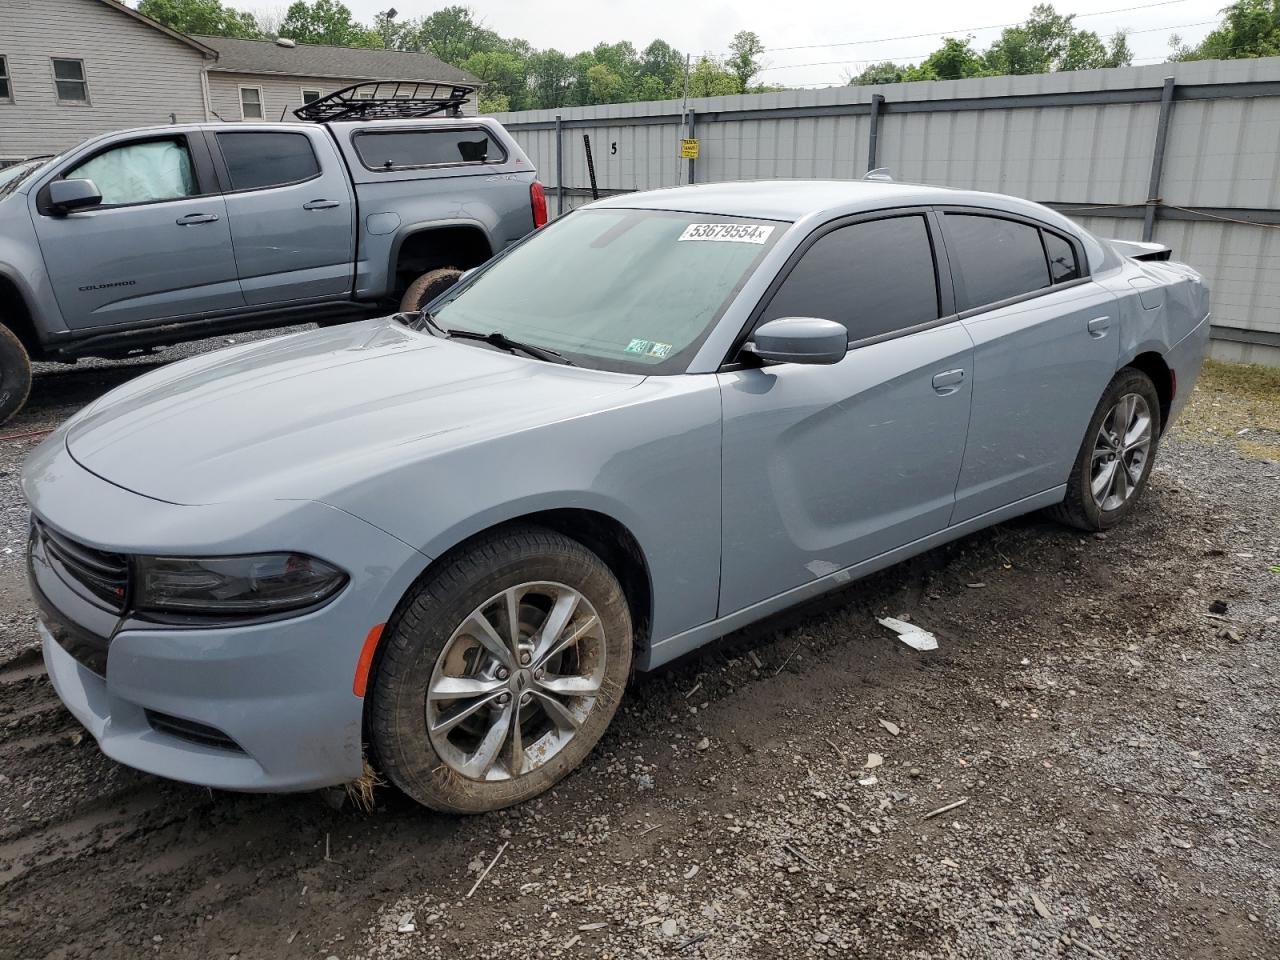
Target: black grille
<point>104,575</point>
<point>191,730</point>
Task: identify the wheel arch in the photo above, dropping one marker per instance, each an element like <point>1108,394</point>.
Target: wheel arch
<point>439,243</point>
<point>604,535</point>
<point>16,314</point>
<point>1154,366</point>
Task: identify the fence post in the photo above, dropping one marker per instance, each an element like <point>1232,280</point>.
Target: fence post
<point>559,167</point>
<point>691,134</point>
<point>1157,159</point>
<point>873,150</point>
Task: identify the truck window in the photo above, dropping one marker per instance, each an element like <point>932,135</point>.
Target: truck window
<point>145,172</point>
<point>400,149</point>
<point>258,160</point>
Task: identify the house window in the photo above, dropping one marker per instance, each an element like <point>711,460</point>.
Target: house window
<point>310,96</point>
<point>69,81</point>
<point>250,103</point>
<point>6,89</point>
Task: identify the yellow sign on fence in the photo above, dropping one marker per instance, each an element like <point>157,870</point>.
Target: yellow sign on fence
<point>688,149</point>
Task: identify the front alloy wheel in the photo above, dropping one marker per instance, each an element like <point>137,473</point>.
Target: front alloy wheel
<point>516,681</point>
<point>499,672</point>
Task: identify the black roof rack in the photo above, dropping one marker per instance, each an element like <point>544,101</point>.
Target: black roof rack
<point>387,100</point>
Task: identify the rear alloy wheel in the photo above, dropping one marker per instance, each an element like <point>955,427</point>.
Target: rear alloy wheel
<point>427,287</point>
<point>15,374</point>
<point>1115,460</point>
<point>500,673</point>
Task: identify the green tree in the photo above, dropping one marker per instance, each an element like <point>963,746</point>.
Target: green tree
<point>505,76</point>
<point>208,17</point>
<point>709,79</point>
<point>885,72</point>
<point>550,79</point>
<point>1250,28</point>
<point>744,57</point>
<point>451,33</point>
<point>954,60</point>
<point>326,21</point>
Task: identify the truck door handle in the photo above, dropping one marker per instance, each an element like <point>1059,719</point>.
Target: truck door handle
<point>1099,326</point>
<point>197,218</point>
<point>320,205</point>
<point>948,381</point>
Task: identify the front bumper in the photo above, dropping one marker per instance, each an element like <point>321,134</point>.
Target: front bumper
<point>278,695</point>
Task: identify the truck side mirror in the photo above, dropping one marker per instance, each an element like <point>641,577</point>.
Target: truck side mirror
<point>67,196</point>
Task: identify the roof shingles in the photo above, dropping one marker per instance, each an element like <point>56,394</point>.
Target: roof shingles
<point>344,63</point>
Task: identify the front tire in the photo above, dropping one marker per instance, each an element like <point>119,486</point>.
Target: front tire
<point>15,375</point>
<point>500,672</point>
<point>1115,459</point>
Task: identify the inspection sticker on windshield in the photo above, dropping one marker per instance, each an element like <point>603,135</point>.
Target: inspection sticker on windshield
<point>649,348</point>
<point>735,232</point>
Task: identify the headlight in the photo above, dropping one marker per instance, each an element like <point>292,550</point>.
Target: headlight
<point>263,583</point>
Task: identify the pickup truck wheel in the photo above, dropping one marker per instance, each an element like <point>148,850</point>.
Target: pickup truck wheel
<point>500,672</point>
<point>1114,462</point>
<point>427,287</point>
<point>15,374</point>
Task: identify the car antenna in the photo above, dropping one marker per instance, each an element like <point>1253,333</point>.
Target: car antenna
<point>879,173</point>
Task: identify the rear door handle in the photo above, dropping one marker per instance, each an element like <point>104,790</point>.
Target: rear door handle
<point>197,218</point>
<point>948,381</point>
<point>1099,326</point>
<point>320,205</point>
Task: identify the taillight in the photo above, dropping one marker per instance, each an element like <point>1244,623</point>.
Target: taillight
<point>538,200</point>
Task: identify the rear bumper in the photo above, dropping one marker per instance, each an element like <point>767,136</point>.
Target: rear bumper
<point>1185,359</point>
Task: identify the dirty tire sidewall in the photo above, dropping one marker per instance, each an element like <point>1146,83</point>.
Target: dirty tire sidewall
<point>1078,509</point>
<point>422,626</point>
<point>427,287</point>
<point>15,374</point>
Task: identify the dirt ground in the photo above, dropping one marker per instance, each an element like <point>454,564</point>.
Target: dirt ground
<point>1102,717</point>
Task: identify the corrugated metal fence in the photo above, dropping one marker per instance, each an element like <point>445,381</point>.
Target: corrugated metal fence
<point>1188,153</point>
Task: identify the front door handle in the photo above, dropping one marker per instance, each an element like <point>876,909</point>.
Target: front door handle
<point>320,205</point>
<point>1099,326</point>
<point>197,218</point>
<point>948,381</point>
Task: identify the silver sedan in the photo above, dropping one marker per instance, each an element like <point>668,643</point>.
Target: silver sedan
<point>438,544</point>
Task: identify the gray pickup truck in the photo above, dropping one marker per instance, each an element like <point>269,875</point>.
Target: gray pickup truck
<point>143,238</point>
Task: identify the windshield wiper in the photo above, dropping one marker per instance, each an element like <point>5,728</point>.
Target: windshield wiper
<point>497,339</point>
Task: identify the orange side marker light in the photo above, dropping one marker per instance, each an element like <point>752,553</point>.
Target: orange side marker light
<point>366,660</point>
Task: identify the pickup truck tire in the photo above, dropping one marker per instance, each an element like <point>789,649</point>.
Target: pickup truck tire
<point>15,374</point>
<point>427,287</point>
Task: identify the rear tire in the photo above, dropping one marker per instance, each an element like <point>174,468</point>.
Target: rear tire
<point>427,287</point>
<point>15,375</point>
<point>467,715</point>
<point>1115,459</point>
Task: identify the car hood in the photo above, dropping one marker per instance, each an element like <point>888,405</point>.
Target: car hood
<point>302,416</point>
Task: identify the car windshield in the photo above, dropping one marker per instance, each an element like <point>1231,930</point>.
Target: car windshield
<point>14,174</point>
<point>622,290</point>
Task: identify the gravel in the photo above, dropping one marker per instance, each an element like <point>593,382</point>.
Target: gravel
<point>1113,741</point>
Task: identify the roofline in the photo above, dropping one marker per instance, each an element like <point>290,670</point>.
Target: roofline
<point>344,76</point>
<point>207,52</point>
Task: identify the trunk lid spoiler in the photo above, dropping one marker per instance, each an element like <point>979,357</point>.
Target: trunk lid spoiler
<point>1139,250</point>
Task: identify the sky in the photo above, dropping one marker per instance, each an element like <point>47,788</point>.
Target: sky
<point>815,29</point>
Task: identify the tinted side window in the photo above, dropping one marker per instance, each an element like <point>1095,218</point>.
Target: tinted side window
<point>1062,258</point>
<point>996,258</point>
<point>874,277</point>
<point>256,160</point>
<point>422,148</point>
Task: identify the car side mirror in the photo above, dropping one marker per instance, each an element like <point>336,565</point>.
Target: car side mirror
<point>799,340</point>
<point>66,196</point>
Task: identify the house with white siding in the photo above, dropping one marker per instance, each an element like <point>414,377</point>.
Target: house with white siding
<point>70,69</point>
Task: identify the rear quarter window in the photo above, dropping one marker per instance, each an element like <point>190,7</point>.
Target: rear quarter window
<point>406,149</point>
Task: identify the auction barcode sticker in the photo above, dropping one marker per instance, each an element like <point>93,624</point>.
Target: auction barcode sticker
<point>735,232</point>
